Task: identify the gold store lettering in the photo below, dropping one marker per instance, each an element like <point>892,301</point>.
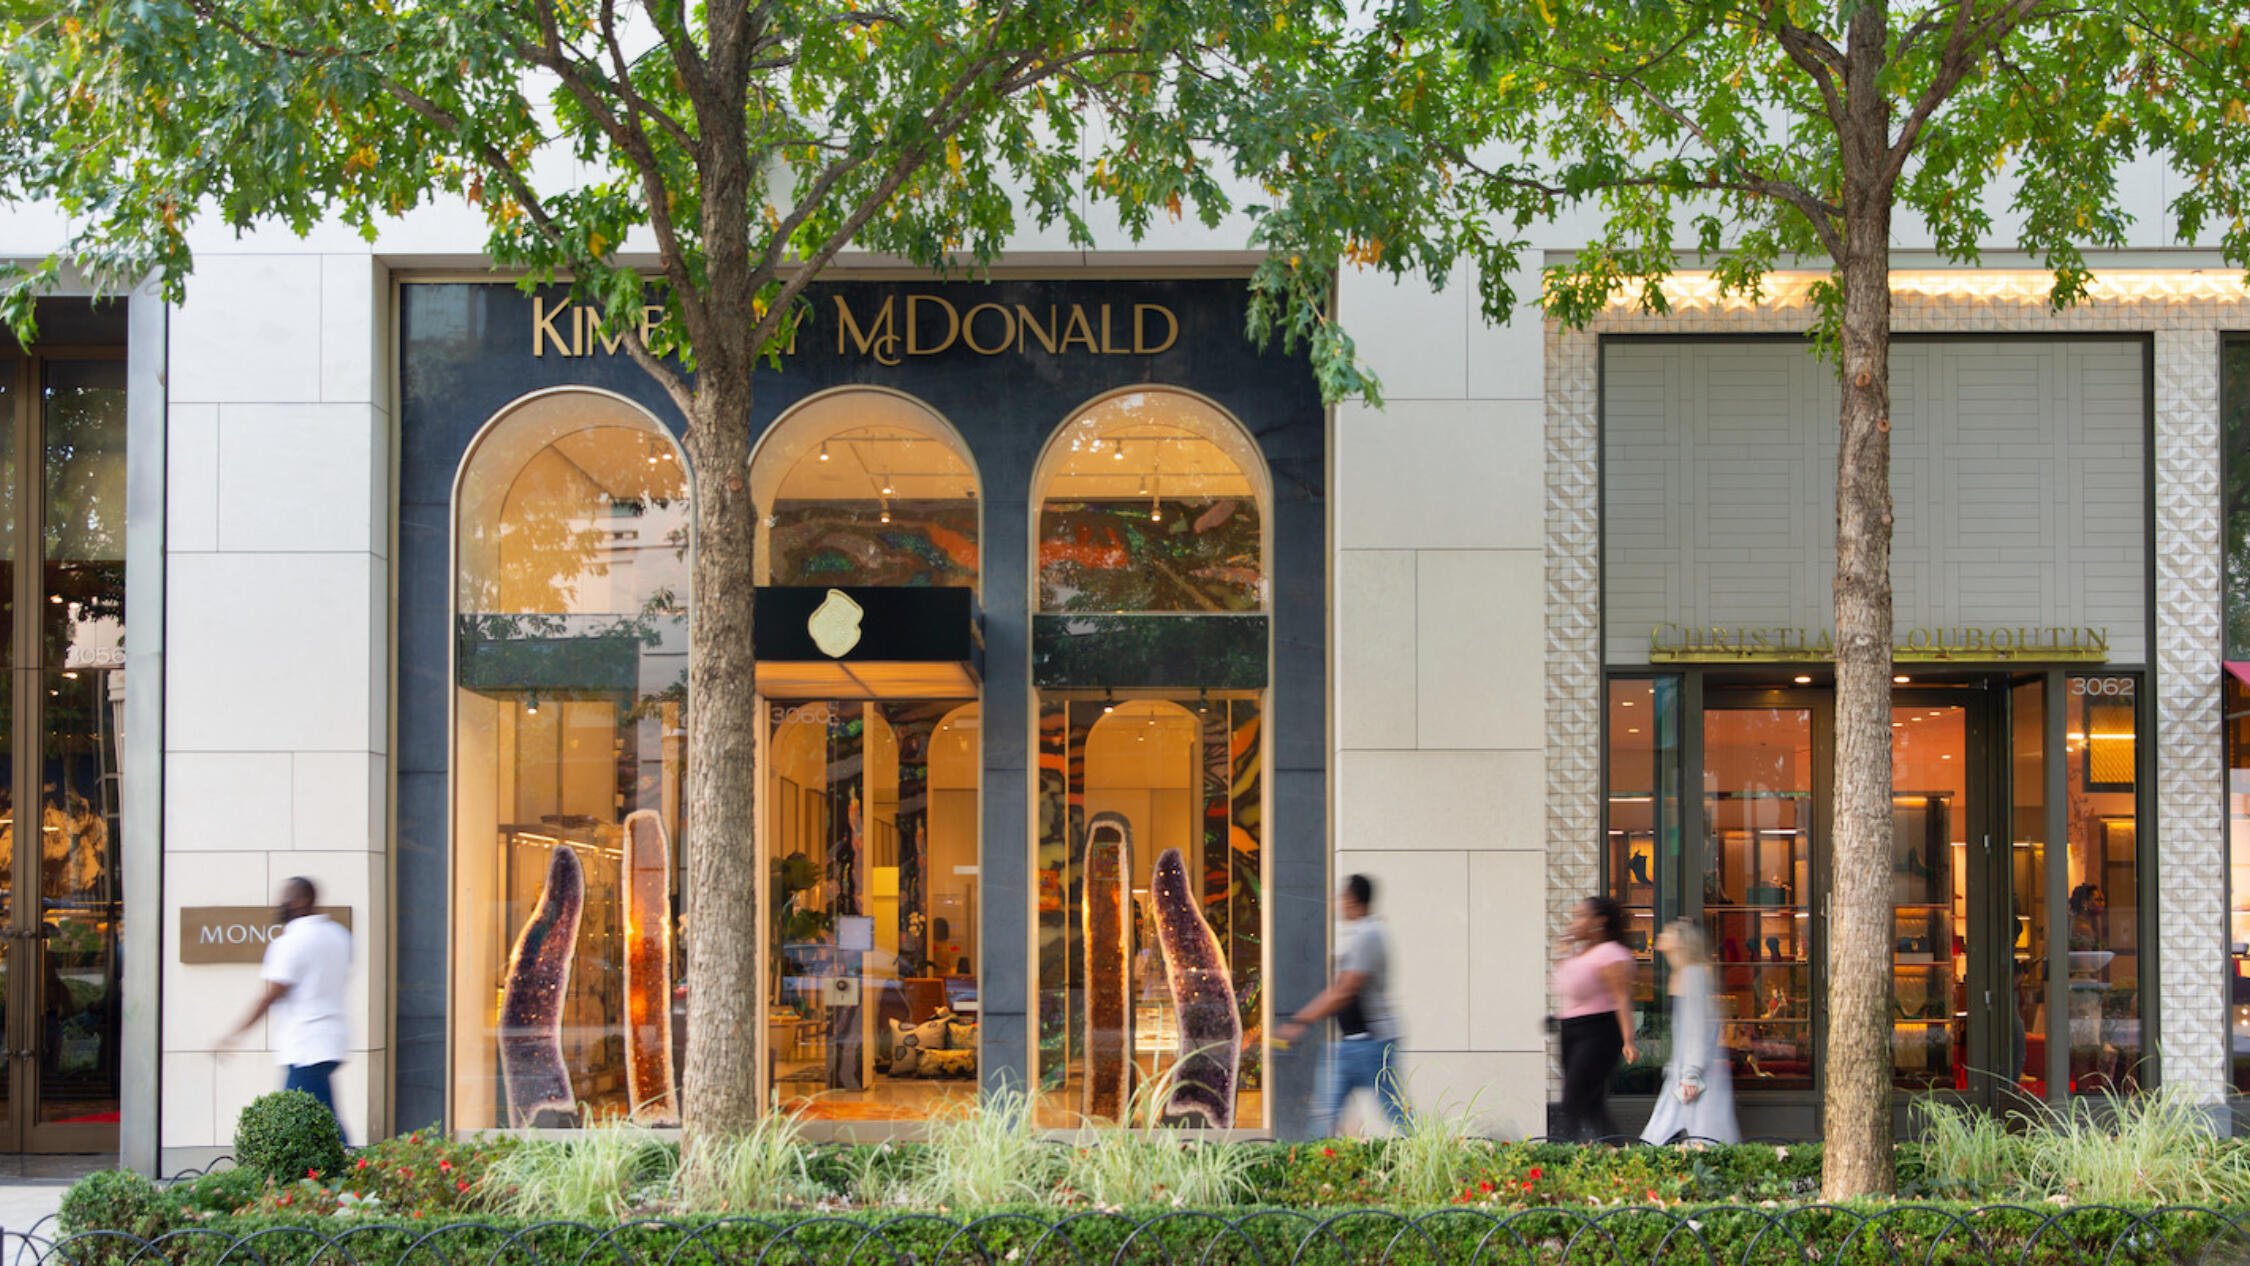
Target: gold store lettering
<point>932,325</point>
<point>1675,643</point>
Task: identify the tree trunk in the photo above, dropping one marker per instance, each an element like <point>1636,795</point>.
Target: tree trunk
<point>1856,1112</point>
<point>720,1097</point>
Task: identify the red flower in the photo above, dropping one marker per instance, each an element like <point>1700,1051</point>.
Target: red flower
<point>417,1213</point>
<point>313,1174</point>
<point>1535,1175</point>
<point>362,1163</point>
<point>445,1166</point>
<point>1527,1184</point>
<point>286,1200</point>
<point>1485,1186</point>
<point>1652,1193</point>
<point>1328,1152</point>
<point>462,1185</point>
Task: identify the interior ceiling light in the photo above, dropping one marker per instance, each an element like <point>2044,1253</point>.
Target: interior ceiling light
<point>1117,450</point>
<point>887,489</point>
<point>1803,680</point>
<point>824,450</point>
<point>1109,702</point>
<point>1901,679</point>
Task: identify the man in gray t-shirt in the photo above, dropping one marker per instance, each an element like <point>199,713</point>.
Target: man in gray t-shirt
<point>1359,999</point>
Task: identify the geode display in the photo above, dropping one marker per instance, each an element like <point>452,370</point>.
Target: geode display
<point>1109,955</point>
<point>647,876</point>
<point>532,1073</point>
<point>1209,1024</point>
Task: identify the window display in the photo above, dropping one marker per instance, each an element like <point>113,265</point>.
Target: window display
<point>571,535</point>
<point>1757,889</point>
<point>1150,851</point>
<point>864,487</point>
<point>1930,814</point>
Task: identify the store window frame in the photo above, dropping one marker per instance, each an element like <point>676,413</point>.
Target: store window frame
<point>457,1015</point>
<point>798,427</point>
<point>1699,683</point>
<point>1063,683</point>
<point>20,1126</point>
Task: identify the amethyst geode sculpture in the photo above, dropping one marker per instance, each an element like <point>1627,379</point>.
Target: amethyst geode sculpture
<point>531,1006</point>
<point>1109,986</point>
<point>1209,1023</point>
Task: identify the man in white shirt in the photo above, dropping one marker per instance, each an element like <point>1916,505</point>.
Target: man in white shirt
<point>305,970</point>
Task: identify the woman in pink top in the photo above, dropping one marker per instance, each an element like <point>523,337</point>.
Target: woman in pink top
<point>1594,1005</point>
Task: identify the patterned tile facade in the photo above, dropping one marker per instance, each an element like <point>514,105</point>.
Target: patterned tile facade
<point>2184,312</point>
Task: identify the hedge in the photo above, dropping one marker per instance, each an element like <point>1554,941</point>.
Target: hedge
<point>1734,1235</point>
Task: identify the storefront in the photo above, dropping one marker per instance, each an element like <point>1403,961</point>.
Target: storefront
<point>1040,632</point>
<point>1092,651</point>
<point>2020,770</point>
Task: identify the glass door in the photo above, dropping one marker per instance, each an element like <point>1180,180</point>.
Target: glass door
<point>1762,818</point>
<point>1937,840</point>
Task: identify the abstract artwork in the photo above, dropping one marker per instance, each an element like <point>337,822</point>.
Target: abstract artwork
<point>532,1071</point>
<point>650,1090</point>
<point>1109,955</point>
<point>1210,1028</point>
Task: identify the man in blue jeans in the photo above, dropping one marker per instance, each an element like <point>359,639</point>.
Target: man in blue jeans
<point>1365,1054</point>
<point>306,968</point>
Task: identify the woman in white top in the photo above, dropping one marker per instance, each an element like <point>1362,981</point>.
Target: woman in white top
<point>1698,1096</point>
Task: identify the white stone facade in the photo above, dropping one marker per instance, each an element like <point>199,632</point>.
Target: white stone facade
<point>1465,677</point>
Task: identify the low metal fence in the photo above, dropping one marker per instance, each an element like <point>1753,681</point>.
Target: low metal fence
<point>1905,1234</point>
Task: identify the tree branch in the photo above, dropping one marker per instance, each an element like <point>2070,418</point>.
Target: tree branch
<point>1963,46</point>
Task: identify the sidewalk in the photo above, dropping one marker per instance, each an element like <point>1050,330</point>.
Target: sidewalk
<point>31,1188</point>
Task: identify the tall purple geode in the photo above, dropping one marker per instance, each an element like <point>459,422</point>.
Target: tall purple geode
<point>531,1056</point>
<point>1209,1023</point>
<point>1109,955</point>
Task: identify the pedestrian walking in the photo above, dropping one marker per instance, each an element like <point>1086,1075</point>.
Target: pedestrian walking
<point>1697,1101</point>
<point>305,970</point>
<point>1594,1013</point>
<point>1358,998</point>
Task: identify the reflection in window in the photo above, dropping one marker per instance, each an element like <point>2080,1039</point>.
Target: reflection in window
<point>2100,820</point>
<point>1643,833</point>
<point>871,822</point>
<point>82,710</point>
<point>571,529</point>
<point>865,487</point>
<point>2234,414</point>
<point>1149,501</point>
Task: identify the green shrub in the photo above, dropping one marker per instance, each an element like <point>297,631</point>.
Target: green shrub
<point>220,1192</point>
<point>288,1135</point>
<point>114,1200</point>
<point>1874,1234</point>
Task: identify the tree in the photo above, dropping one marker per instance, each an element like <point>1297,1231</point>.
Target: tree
<point>1758,134</point>
<point>734,152</point>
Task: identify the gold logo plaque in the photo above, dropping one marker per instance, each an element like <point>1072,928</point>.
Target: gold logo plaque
<point>236,934</point>
<point>834,625</point>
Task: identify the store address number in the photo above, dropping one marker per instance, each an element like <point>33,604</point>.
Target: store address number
<point>2102,686</point>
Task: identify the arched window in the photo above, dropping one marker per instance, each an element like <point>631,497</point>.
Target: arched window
<point>1152,511</point>
<point>1152,500</point>
<point>869,822</point>
<point>571,532</point>
<point>865,487</point>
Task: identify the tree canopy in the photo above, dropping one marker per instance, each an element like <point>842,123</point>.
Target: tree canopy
<point>1715,132</point>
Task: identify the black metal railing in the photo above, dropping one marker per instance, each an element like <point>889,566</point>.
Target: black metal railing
<point>1712,1235</point>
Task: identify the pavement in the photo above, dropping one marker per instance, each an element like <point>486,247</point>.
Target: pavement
<point>31,1188</point>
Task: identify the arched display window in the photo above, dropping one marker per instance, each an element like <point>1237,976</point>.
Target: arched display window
<point>571,538</point>
<point>865,487</point>
<point>1151,654</point>
<point>869,824</point>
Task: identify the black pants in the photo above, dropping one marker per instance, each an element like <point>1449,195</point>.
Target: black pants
<point>1592,1047</point>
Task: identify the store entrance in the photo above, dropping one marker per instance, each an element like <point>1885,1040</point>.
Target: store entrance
<point>1969,880</point>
